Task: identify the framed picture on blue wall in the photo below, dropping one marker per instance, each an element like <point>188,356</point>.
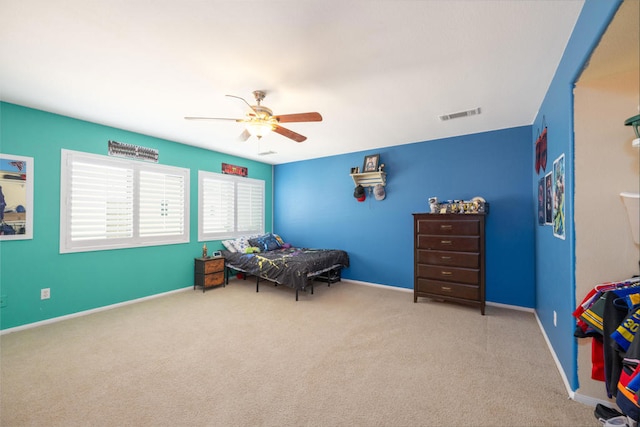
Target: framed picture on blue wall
<point>371,163</point>
<point>548,198</point>
<point>558,197</point>
<point>16,197</point>
<point>541,197</point>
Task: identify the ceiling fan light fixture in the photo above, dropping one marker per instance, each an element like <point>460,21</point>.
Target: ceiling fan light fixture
<point>259,128</point>
<point>259,120</point>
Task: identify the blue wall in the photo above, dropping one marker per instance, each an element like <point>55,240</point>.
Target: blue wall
<point>555,258</point>
<point>314,207</point>
<point>87,280</point>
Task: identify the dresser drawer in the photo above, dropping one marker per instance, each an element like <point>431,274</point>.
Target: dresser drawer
<point>446,258</point>
<point>449,243</point>
<point>449,227</point>
<point>214,279</point>
<point>446,289</point>
<point>210,266</point>
<point>450,274</point>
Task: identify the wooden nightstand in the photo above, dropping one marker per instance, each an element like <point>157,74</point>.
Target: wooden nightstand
<point>209,272</point>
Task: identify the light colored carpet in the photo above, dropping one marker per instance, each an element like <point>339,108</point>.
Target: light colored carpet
<point>350,355</point>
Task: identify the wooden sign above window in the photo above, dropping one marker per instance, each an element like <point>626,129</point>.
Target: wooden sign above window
<point>130,151</point>
<point>234,170</point>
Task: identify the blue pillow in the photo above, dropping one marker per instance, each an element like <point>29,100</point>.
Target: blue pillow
<point>266,242</point>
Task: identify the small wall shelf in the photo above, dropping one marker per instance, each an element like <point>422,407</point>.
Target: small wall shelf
<point>369,179</point>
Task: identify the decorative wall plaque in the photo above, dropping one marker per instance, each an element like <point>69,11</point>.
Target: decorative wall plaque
<point>130,151</point>
<point>234,170</point>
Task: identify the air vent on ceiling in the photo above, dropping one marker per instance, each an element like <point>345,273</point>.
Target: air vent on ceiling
<point>266,153</point>
<point>460,114</point>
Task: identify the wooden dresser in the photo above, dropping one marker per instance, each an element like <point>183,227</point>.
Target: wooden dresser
<point>209,272</point>
<point>449,257</point>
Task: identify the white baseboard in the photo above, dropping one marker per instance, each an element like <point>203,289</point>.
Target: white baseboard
<point>587,400</point>
<point>591,401</point>
<point>565,380</point>
<point>511,307</point>
<point>397,288</point>
<point>86,312</point>
<point>376,285</point>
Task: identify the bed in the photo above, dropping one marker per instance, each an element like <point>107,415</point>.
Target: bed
<point>282,264</point>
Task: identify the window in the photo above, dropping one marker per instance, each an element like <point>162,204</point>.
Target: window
<point>229,206</point>
<point>109,203</point>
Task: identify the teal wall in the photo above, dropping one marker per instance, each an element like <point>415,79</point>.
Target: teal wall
<point>555,258</point>
<point>88,280</point>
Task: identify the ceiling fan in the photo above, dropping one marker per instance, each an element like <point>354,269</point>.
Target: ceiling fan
<point>260,120</point>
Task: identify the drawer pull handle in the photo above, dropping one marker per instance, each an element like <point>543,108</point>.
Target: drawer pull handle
<point>446,273</point>
<point>445,257</point>
<point>445,288</point>
<point>446,227</point>
<point>445,242</point>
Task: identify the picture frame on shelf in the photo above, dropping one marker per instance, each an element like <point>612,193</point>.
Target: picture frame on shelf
<point>371,163</point>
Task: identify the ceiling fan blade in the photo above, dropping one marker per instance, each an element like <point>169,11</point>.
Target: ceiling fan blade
<point>299,117</point>
<point>244,136</point>
<point>245,101</point>
<point>289,133</point>
<point>212,118</point>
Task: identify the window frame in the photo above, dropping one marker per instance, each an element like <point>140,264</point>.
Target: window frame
<point>236,181</point>
<point>67,245</point>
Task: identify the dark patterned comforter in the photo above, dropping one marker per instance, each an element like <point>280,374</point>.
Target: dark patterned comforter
<point>290,267</point>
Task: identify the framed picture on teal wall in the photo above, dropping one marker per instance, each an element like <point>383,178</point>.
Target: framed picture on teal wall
<point>16,197</point>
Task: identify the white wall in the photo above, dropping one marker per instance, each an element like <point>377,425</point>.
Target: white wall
<point>605,165</point>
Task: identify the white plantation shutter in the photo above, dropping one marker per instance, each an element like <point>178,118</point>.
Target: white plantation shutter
<point>217,206</point>
<point>108,203</point>
<point>161,204</point>
<point>101,201</point>
<point>229,206</point>
<point>250,207</point>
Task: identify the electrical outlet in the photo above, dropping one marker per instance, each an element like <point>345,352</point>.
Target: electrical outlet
<point>555,318</point>
<point>3,300</point>
<point>45,293</point>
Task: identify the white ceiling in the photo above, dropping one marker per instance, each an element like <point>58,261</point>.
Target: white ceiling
<point>380,71</point>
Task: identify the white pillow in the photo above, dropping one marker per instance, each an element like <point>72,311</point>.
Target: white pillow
<point>241,244</point>
<point>229,245</point>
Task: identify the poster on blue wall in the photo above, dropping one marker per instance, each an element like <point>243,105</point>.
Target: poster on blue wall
<point>541,198</point>
<point>16,197</point>
<point>558,197</point>
<point>548,198</point>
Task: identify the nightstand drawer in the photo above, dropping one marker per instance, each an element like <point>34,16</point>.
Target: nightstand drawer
<point>450,274</point>
<point>209,266</point>
<point>455,259</point>
<point>449,243</point>
<point>455,290</point>
<point>214,279</point>
<point>449,227</point>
